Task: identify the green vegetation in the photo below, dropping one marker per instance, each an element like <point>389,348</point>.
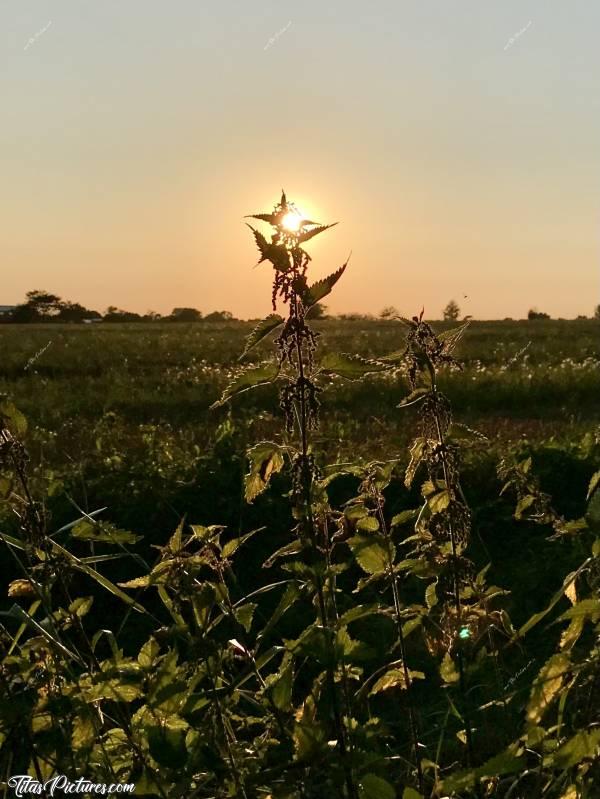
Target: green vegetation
<point>383,580</point>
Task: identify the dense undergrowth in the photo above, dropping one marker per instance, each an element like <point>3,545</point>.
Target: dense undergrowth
<point>418,623</point>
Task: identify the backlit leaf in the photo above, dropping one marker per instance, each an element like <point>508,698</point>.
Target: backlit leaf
<point>373,787</point>
<point>350,367</point>
<point>246,379</point>
<point>262,329</point>
<point>371,552</point>
<point>546,686</point>
<point>322,288</point>
<point>265,459</point>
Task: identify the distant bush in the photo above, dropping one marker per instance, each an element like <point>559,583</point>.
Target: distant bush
<point>451,312</point>
<point>219,316</point>
<point>534,314</point>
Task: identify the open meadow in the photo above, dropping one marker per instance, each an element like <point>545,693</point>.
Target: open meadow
<point>122,433</point>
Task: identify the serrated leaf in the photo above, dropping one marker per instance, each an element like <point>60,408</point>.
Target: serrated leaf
<point>262,329</point>
<point>586,608</point>
<point>246,379</point>
<point>277,254</point>
<point>448,671</point>
<point>594,483</point>
<point>404,517</point>
<point>148,653</point>
<point>103,532</point>
<point>546,686</point>
<point>450,338</point>
<point>244,615</point>
<point>504,763</point>
<point>438,502</point>
<point>414,397</point>
<point>417,450</point>
<point>308,234</point>
<point>350,367</point>
<point>394,678</point>
<point>281,691</point>
<point>322,288</point>
<point>371,552</point>
<point>584,745</point>
<point>265,459</point>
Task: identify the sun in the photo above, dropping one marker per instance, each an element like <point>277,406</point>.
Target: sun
<point>291,221</point>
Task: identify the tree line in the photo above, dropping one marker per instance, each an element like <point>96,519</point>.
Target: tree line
<point>42,306</point>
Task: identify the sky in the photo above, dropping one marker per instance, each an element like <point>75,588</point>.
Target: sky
<point>456,142</point>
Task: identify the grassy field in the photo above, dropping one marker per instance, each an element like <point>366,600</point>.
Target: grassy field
<point>119,417</point>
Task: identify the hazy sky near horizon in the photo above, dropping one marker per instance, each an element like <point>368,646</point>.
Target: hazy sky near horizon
<point>136,135</point>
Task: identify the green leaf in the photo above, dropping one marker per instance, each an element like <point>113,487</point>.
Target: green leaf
<point>410,793</point>
<point>594,483</point>
<point>448,671</point>
<point>373,787</point>
<point>13,418</point>
<point>103,532</point>
<point>281,690</point>
<point>350,367</point>
<point>438,502</point>
<point>587,608</point>
<point>584,745</point>
<point>246,379</point>
<point>148,653</point>
<point>262,329</point>
<point>244,614</point>
<point>546,686</point>
<point>265,459</point>
<point>80,607</point>
<point>371,552</point>
<point>404,517</point>
<point>504,763</point>
<point>322,288</point>
<point>394,678</point>
<point>417,451</point>
<point>367,524</point>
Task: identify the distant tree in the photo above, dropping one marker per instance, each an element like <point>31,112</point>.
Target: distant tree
<point>39,306</point>
<point>74,312</point>
<point>185,315</point>
<point>151,316</point>
<point>219,316</point>
<point>597,312</point>
<point>318,311</point>
<point>535,314</point>
<point>451,312</point>
<point>389,312</point>
<point>356,317</point>
<point>582,316</point>
<point>114,314</point>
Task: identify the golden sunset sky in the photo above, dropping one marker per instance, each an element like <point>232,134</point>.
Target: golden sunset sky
<point>457,143</point>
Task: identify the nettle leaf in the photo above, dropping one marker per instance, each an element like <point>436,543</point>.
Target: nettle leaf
<point>404,517</point>
<point>448,671</point>
<point>13,418</point>
<point>350,367</point>
<point>394,678</point>
<point>438,502</point>
<point>148,653</point>
<point>417,451</point>
<point>586,609</point>
<point>281,690</point>
<point>244,615</point>
<point>594,483</point>
<point>410,793</point>
<point>450,338</point>
<point>322,288</point>
<point>103,532</point>
<point>373,787</point>
<point>262,329</point>
<point>506,762</point>
<point>308,234</point>
<point>265,459</point>
<point>270,218</point>
<point>246,379</point>
<point>372,553</point>
<point>546,686</point>
<point>584,745</point>
<point>277,254</point>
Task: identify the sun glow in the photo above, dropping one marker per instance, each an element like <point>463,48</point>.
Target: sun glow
<point>291,221</point>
